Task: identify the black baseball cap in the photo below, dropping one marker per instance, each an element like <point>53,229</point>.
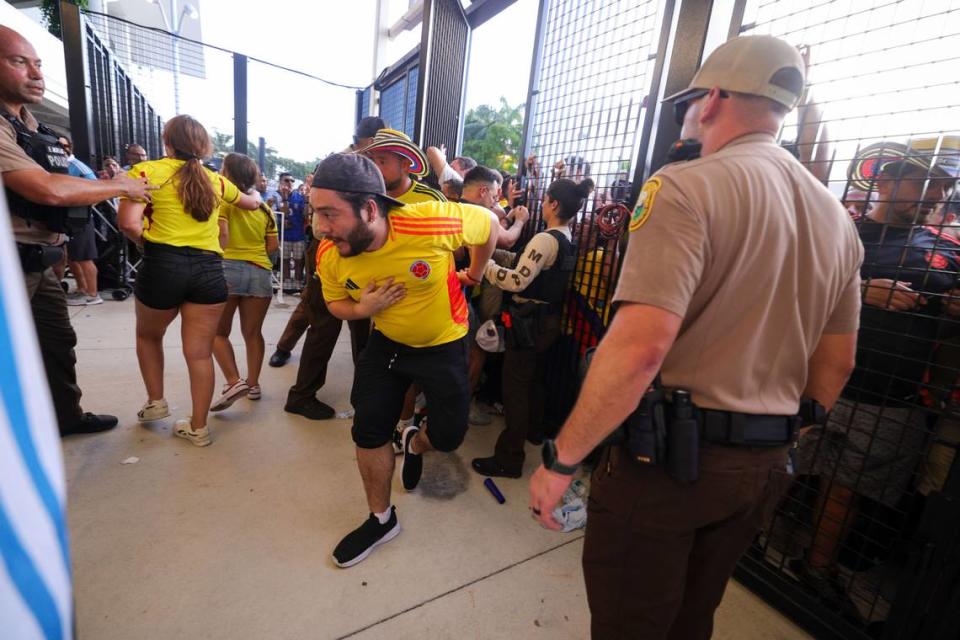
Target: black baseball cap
<point>368,127</point>
<point>352,173</point>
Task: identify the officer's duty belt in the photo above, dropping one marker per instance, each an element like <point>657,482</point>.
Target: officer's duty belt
<point>728,427</point>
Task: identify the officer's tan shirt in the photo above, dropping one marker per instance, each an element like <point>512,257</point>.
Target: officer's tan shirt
<point>13,158</point>
<point>758,258</point>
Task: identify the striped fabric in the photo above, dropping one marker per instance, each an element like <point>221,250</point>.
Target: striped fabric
<point>35,589</point>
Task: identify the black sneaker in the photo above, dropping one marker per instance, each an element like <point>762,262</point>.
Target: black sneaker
<point>279,358</point>
<point>90,423</point>
<point>411,468</point>
<point>491,467</point>
<point>357,545</point>
<point>312,409</point>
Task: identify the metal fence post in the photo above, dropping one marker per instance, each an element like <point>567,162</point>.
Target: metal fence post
<point>78,93</point>
<point>240,103</point>
<point>532,88</point>
<point>693,21</point>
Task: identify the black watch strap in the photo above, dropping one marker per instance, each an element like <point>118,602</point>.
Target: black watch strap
<point>551,462</point>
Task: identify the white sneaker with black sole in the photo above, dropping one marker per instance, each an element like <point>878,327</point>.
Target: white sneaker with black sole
<point>183,429</point>
<point>154,410</point>
<point>359,543</point>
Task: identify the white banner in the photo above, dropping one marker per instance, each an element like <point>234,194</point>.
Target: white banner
<point>35,588</point>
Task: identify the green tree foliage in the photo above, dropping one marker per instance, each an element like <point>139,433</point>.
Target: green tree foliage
<point>273,164</point>
<point>50,9</point>
<point>491,136</point>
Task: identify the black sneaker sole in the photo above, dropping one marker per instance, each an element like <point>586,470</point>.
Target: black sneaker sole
<point>306,413</point>
<point>412,464</point>
<point>387,537</point>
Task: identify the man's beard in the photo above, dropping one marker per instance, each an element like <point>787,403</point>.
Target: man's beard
<point>915,215</point>
<point>359,239</point>
<point>393,186</point>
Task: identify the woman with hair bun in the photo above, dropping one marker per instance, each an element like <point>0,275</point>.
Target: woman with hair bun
<point>538,278</point>
<point>182,241</point>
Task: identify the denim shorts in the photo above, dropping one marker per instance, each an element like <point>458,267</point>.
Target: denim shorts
<point>170,276</point>
<point>247,279</point>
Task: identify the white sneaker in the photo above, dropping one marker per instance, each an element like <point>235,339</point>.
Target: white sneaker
<point>92,300</point>
<point>199,437</point>
<point>479,417</point>
<point>397,439</point>
<point>231,393</point>
<point>77,299</point>
<point>154,410</point>
<point>255,393</point>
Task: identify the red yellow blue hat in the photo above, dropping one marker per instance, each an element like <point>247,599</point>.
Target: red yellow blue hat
<point>938,156</point>
<point>399,143</point>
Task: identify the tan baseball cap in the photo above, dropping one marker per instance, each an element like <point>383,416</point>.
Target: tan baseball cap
<point>755,65</point>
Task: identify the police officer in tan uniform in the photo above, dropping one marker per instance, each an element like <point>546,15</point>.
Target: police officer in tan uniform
<point>741,288</point>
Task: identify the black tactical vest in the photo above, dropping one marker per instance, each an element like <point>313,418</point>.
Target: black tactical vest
<point>44,148</point>
<point>551,284</point>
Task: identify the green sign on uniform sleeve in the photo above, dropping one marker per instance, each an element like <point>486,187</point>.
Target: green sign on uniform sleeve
<point>644,203</point>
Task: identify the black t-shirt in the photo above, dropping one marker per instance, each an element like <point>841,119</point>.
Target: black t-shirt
<point>895,347</point>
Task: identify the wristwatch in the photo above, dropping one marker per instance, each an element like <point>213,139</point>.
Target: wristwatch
<point>551,462</point>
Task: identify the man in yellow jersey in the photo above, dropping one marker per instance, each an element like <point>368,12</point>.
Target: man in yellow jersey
<point>401,163</point>
<point>391,262</point>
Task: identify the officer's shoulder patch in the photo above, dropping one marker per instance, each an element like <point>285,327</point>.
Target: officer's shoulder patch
<point>641,212</point>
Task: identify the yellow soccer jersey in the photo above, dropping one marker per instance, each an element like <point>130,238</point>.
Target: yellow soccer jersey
<point>418,254</point>
<point>248,232</point>
<point>419,192</point>
<point>166,221</point>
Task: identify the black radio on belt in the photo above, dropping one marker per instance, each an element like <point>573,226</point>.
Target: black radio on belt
<point>43,146</point>
<point>667,428</point>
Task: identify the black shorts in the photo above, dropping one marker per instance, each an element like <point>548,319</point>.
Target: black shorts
<point>170,276</point>
<point>83,245</point>
<point>384,373</point>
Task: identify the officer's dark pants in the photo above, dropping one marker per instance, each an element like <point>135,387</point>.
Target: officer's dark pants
<point>657,554</point>
<point>524,394</point>
<point>57,339</point>
<point>322,334</point>
<point>299,319</point>
<point>296,326</point>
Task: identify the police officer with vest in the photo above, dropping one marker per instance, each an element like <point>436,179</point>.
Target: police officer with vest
<point>46,205</point>
<point>739,301</point>
<point>537,278</point>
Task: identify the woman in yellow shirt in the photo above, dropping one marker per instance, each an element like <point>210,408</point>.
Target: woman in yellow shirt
<point>247,267</point>
<point>182,269</point>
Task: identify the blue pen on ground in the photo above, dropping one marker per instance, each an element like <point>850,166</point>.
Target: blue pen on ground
<point>492,488</point>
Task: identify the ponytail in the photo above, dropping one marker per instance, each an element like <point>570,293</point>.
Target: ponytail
<point>191,143</point>
<point>195,190</point>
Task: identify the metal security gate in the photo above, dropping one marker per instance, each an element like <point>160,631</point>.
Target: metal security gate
<point>114,112</point>
<point>398,86</point>
<point>866,544</point>
<point>594,63</point>
<point>443,59</point>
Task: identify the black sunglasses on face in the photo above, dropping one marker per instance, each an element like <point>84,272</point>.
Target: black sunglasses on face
<point>680,107</point>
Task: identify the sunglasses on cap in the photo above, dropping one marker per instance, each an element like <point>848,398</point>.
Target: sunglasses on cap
<point>680,107</point>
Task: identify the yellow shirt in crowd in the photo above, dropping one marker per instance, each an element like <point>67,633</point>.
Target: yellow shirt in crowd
<point>166,221</point>
<point>418,254</point>
<point>419,192</point>
<point>248,232</point>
